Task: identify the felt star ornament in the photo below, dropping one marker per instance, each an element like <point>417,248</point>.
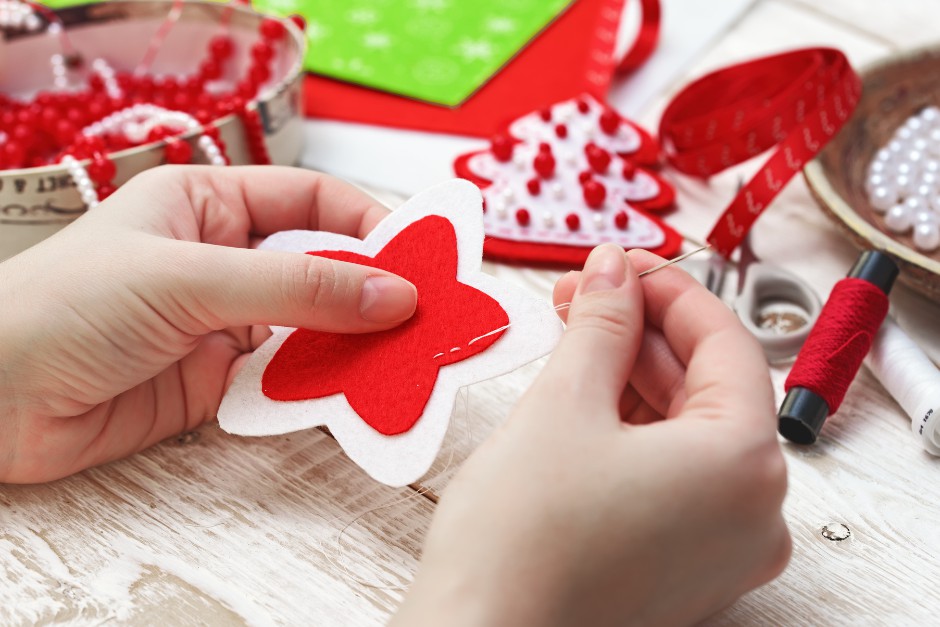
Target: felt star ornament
<point>387,397</point>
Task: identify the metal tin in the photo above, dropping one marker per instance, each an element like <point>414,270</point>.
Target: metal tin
<point>37,202</point>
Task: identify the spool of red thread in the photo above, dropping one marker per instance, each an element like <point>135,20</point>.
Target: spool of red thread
<point>834,350</point>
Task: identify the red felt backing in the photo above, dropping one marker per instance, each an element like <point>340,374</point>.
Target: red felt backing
<point>387,377</point>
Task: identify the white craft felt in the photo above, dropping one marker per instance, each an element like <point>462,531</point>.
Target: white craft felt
<point>397,460</point>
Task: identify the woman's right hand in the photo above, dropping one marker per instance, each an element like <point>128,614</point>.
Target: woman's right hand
<point>638,481</point>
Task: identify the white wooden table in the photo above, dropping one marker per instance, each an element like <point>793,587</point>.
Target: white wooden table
<point>215,529</point>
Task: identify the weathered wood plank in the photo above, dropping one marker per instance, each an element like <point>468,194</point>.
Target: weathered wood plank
<point>226,529</point>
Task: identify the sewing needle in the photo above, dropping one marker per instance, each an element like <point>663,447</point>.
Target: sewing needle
<point>672,261</point>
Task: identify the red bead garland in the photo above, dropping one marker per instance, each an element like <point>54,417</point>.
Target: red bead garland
<point>40,131</point>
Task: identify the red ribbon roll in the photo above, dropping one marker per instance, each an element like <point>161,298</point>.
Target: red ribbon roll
<point>646,39</point>
<point>796,101</point>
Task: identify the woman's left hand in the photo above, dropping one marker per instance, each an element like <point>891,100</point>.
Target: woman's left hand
<point>127,326</point>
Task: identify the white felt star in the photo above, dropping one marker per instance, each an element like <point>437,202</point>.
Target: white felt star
<point>398,460</point>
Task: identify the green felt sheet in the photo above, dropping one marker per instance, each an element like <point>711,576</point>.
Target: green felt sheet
<point>439,51</point>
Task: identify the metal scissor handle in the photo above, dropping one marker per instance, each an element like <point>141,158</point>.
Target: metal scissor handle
<point>779,308</point>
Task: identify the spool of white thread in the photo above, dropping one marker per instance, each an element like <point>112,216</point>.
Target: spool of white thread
<point>911,378</point>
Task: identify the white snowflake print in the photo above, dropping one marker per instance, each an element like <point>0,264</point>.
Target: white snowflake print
<point>358,66</point>
<point>376,40</point>
<point>362,16</point>
<point>475,49</point>
<point>315,31</point>
<point>499,24</point>
<point>431,5</point>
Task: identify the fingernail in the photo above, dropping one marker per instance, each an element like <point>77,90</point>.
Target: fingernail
<point>605,269</point>
<point>387,299</point>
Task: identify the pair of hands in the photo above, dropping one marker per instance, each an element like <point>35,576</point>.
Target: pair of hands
<point>639,477</point>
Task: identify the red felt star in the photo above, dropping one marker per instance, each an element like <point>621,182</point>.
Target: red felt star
<point>388,377</point>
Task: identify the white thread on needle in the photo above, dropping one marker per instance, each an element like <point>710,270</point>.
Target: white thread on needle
<point>666,264</point>
<point>911,378</point>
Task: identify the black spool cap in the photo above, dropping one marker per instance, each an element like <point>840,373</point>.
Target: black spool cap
<point>803,412</point>
<point>877,268</point>
<point>802,415</point>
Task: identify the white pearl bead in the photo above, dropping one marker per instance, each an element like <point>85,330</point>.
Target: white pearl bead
<point>898,218</point>
<point>914,124</point>
<point>599,222</point>
<point>884,156</point>
<point>924,192</point>
<point>877,167</point>
<point>500,212</point>
<point>903,184</point>
<point>927,237</point>
<point>882,199</point>
<point>895,147</point>
<point>914,157</point>
<point>548,219</point>
<point>557,190</point>
<point>932,166</point>
<point>919,144</point>
<point>915,204</point>
<point>904,168</point>
<point>925,216</point>
<point>904,134</point>
<point>508,194</point>
<point>933,146</point>
<point>930,115</point>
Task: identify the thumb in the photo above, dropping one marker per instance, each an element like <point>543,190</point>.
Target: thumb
<point>605,329</point>
<point>224,287</point>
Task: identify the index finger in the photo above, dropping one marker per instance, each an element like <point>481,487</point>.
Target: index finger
<point>231,204</point>
<point>726,373</point>
<point>281,198</point>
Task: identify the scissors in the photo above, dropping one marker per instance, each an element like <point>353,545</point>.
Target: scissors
<point>776,306</point>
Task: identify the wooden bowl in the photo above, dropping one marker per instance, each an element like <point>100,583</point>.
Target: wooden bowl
<point>36,202</point>
<point>892,90</point>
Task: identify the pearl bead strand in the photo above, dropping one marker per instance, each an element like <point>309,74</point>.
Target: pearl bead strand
<point>82,181</point>
<point>136,123</point>
<point>903,180</point>
<point>15,15</point>
<point>101,68</point>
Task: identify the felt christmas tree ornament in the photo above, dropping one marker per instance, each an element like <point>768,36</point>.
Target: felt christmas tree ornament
<point>387,397</point>
<point>563,179</point>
